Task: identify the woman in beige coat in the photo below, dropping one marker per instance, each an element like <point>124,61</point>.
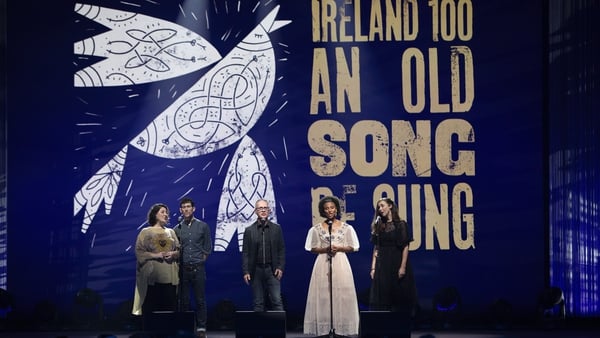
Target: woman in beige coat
<point>157,272</point>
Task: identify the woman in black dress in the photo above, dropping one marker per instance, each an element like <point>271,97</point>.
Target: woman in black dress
<point>393,284</point>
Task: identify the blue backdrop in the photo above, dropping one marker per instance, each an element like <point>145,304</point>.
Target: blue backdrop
<point>114,106</point>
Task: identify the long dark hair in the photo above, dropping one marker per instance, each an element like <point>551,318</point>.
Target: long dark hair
<point>375,225</point>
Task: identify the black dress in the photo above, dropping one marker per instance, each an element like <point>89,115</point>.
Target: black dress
<point>388,292</point>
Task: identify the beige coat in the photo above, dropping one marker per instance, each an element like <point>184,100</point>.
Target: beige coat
<point>151,270</point>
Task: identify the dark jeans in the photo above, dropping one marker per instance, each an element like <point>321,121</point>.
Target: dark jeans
<point>264,281</point>
<point>194,278</point>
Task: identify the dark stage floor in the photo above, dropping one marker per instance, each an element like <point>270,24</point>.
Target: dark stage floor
<point>545,333</point>
<point>270,324</point>
<point>231,334</point>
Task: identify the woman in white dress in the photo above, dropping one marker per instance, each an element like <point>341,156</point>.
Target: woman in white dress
<point>317,316</point>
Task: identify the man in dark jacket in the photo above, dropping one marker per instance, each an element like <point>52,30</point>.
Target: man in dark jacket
<point>263,259</point>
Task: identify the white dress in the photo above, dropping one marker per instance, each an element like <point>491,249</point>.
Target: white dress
<point>345,304</point>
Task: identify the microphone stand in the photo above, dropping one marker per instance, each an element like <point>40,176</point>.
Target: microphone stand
<point>180,271</point>
<point>331,333</point>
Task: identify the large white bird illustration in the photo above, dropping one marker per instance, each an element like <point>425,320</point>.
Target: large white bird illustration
<point>222,106</point>
<point>138,49</point>
<point>218,110</point>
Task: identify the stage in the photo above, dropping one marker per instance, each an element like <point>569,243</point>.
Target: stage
<point>555,333</point>
<point>274,324</point>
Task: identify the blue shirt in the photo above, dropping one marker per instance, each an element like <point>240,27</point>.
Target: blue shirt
<point>195,241</point>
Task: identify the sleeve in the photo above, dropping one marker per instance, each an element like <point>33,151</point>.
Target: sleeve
<point>404,236</point>
<point>177,230</point>
<point>246,250</point>
<point>207,245</point>
<point>142,253</point>
<point>312,239</point>
<point>176,244</point>
<point>280,249</point>
<point>352,238</point>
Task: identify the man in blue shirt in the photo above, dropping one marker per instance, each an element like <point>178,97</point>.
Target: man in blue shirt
<point>196,245</point>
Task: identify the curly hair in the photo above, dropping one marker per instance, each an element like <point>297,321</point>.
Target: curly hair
<point>326,199</point>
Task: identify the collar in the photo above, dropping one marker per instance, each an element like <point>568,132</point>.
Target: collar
<point>184,222</point>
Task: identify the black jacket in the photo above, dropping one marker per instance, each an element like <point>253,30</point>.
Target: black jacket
<point>252,235</point>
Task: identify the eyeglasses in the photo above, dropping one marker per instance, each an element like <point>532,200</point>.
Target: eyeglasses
<point>262,208</point>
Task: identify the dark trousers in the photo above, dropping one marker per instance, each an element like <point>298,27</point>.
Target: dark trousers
<point>193,278</point>
<point>263,282</point>
<point>160,297</point>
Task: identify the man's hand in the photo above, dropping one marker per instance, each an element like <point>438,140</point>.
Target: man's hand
<point>247,278</point>
<point>278,274</point>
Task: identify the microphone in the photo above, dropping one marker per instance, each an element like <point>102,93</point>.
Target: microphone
<point>329,253</point>
<point>262,223</point>
<point>377,219</point>
<point>329,223</point>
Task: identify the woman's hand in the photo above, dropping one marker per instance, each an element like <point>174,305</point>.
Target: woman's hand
<point>337,248</point>
<point>401,272</point>
<point>168,255</point>
<point>334,250</point>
